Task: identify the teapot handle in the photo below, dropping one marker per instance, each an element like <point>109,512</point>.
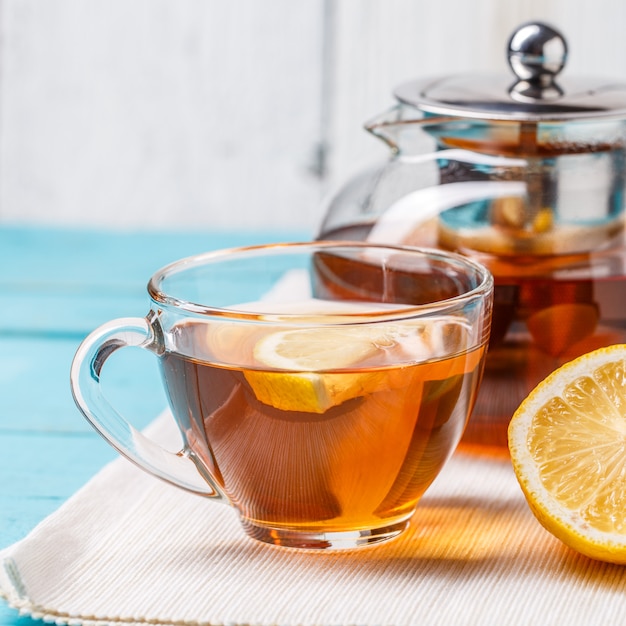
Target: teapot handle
<point>180,469</point>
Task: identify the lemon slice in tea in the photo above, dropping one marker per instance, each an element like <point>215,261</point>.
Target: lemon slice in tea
<point>568,448</point>
<point>308,354</point>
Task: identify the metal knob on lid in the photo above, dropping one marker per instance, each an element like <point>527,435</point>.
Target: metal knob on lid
<point>536,53</point>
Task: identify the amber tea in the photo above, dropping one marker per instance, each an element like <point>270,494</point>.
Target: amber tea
<point>347,445</point>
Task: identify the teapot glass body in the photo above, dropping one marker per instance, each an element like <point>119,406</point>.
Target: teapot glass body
<point>539,202</point>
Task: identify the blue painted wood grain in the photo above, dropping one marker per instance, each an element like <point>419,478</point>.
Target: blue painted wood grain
<point>56,285</point>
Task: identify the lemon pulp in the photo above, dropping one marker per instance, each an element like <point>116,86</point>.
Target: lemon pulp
<point>308,354</point>
<point>568,448</point>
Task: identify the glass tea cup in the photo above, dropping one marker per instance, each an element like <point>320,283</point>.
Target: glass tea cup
<point>318,387</point>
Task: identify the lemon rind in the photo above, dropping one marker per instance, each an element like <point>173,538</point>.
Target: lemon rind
<point>561,521</point>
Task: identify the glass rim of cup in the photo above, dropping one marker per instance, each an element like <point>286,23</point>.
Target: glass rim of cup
<point>483,285</point>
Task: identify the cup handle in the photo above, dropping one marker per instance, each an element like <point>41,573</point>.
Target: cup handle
<point>180,469</point>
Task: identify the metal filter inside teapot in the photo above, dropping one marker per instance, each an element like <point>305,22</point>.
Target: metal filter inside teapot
<point>525,173</point>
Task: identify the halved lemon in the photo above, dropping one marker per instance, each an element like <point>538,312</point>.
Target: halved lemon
<point>308,354</point>
<point>568,448</point>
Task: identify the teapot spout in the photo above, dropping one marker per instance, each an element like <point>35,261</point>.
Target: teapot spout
<point>388,126</point>
<point>402,128</point>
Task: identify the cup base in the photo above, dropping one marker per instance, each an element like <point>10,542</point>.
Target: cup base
<point>341,540</point>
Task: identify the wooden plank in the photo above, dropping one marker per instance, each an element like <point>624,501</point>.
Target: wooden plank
<point>52,464</point>
<point>70,282</point>
<point>35,388</point>
<point>161,113</point>
<point>50,257</point>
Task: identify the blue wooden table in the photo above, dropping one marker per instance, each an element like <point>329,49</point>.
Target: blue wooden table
<point>55,287</point>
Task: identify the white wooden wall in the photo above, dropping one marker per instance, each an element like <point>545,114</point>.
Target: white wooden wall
<point>233,113</point>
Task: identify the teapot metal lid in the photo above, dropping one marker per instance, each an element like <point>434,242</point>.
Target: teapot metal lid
<point>537,53</point>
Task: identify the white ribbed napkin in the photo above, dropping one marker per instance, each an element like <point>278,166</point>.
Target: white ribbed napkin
<point>128,548</point>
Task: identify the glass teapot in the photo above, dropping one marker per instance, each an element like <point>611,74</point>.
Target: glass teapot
<point>525,174</point>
